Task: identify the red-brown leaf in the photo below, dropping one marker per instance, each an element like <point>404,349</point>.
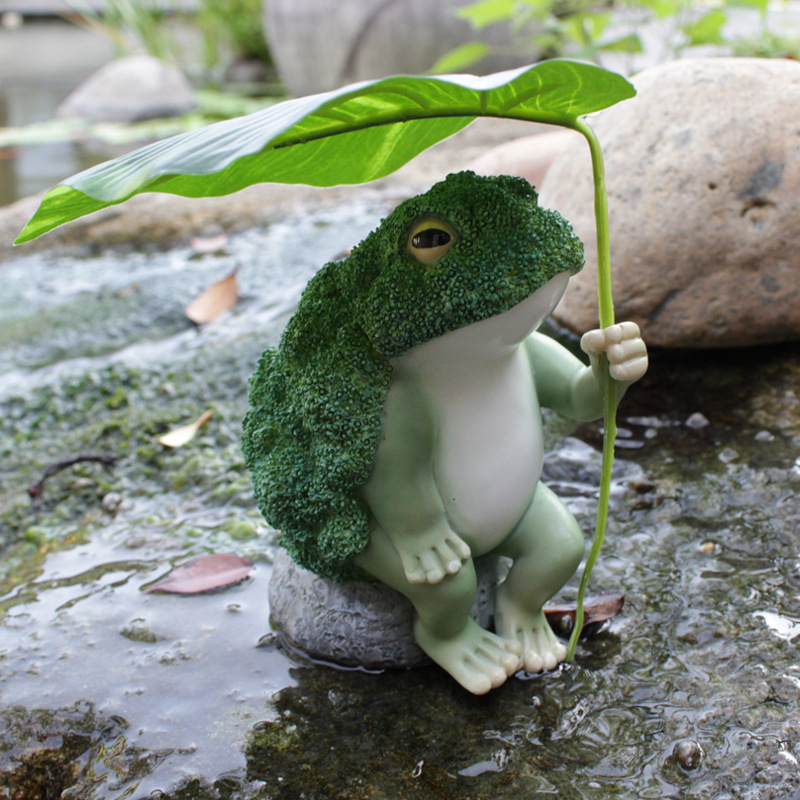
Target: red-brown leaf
<point>204,574</point>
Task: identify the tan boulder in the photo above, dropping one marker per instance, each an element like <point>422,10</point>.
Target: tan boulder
<point>528,157</point>
<point>703,171</point>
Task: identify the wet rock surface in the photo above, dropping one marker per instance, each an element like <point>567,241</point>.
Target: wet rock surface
<point>120,693</point>
<point>702,168</point>
<point>131,89</point>
<point>354,624</point>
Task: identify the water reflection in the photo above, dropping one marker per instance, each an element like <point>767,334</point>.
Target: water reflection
<point>40,64</point>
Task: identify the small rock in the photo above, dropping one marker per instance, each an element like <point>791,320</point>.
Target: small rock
<point>130,90</point>
<point>696,421</point>
<point>688,754</point>
<point>702,171</point>
<point>727,454</point>
<point>111,502</point>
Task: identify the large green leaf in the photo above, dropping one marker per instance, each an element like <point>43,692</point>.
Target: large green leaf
<point>354,134</point>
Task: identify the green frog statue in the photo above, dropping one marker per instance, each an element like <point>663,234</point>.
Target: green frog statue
<point>395,434</point>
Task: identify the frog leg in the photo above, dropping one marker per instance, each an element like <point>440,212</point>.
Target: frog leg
<point>546,548</point>
<point>477,659</point>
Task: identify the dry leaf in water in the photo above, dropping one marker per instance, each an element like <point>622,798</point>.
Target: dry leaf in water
<point>204,574</point>
<point>208,244</point>
<point>213,301</point>
<point>184,435</point>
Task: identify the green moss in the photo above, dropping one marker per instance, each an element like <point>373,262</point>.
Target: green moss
<point>241,529</point>
<point>118,399</point>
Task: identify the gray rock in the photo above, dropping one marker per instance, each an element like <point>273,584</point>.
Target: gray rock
<point>702,173</point>
<point>353,40</point>
<point>129,90</point>
<point>356,624</point>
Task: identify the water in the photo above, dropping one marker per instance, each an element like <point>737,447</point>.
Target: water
<point>40,64</point>
<point>184,681</point>
<point>107,692</point>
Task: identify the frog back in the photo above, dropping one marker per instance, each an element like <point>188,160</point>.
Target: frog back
<point>310,436</point>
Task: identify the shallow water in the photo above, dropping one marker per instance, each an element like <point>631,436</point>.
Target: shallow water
<point>107,692</point>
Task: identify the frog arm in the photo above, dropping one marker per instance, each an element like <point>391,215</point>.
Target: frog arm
<point>402,494</point>
<point>570,387</point>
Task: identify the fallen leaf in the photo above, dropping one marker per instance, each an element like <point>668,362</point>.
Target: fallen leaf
<point>596,611</point>
<point>208,244</point>
<point>213,301</point>
<point>184,435</point>
<point>204,574</point>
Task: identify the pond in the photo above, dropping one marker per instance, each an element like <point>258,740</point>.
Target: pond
<point>41,62</point>
<point>111,692</point>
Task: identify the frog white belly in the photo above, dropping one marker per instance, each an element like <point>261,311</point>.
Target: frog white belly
<point>472,396</point>
<point>487,456</point>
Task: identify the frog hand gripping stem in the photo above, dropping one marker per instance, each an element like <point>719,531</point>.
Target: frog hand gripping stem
<point>395,433</point>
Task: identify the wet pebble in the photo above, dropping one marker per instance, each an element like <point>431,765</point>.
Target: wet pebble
<point>688,754</point>
<point>111,502</point>
<point>728,454</point>
<point>697,421</point>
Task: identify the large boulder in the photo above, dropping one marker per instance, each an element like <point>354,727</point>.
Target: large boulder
<point>318,45</point>
<point>702,173</point>
<point>129,90</point>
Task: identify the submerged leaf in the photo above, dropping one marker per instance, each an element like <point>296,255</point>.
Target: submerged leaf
<point>218,298</point>
<point>204,574</point>
<point>350,135</point>
<point>184,435</point>
<point>597,609</point>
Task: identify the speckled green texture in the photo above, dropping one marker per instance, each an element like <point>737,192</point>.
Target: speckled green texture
<point>313,428</point>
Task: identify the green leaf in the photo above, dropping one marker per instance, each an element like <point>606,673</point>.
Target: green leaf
<point>487,12</point>
<point>351,135</point>
<point>664,8</point>
<point>626,44</point>
<point>707,29</point>
<point>761,5</point>
<point>459,57</point>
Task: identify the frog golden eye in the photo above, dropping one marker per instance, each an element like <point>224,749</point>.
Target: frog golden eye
<point>430,239</point>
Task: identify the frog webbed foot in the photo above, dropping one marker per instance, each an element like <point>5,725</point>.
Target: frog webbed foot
<point>477,659</point>
<point>541,650</point>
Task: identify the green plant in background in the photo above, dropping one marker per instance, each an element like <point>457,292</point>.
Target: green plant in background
<point>588,29</point>
<point>238,23</point>
<point>167,30</point>
<point>130,25</point>
<point>356,134</point>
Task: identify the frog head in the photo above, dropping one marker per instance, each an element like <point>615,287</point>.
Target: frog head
<point>468,249</point>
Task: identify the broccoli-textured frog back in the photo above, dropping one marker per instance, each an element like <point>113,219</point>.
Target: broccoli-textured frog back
<point>314,423</point>
<point>312,431</point>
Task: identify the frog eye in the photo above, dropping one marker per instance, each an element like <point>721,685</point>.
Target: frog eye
<point>430,239</point>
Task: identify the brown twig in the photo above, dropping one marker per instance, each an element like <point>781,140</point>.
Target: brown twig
<point>36,490</point>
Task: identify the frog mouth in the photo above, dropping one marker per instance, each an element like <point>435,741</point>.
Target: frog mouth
<point>511,327</point>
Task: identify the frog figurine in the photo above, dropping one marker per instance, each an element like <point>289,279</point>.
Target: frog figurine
<point>395,433</point>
